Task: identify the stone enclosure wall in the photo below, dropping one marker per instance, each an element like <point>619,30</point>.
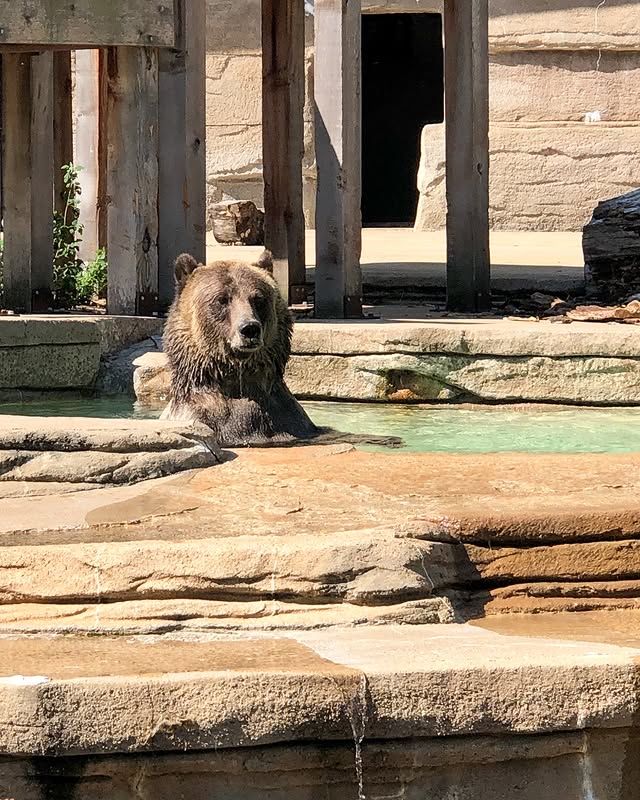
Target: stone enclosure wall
<point>565,109</point>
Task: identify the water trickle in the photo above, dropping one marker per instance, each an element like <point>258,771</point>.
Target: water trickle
<point>358,722</point>
<point>588,792</point>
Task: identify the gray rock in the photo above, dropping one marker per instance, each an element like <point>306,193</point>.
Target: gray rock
<point>611,246</point>
<point>77,451</point>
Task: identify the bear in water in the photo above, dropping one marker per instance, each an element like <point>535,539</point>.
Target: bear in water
<point>227,341</point>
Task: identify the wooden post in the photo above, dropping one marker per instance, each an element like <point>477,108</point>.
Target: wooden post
<point>86,116</point>
<point>132,180</point>
<point>338,145</point>
<point>182,144</point>
<point>62,123</point>
<point>42,151</point>
<point>467,134</point>
<point>16,163</point>
<point>283,141</point>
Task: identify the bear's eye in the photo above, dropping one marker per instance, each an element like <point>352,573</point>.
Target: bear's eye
<point>259,303</point>
<point>222,300</point>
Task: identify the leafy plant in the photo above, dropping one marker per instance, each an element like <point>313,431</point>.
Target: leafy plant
<point>67,236</point>
<point>91,281</point>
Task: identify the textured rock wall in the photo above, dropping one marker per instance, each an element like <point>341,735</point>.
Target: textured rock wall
<point>469,768</point>
<point>552,63</point>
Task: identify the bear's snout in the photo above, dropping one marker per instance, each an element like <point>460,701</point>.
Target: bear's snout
<point>248,336</point>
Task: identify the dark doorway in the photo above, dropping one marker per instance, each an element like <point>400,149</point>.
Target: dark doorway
<point>402,90</point>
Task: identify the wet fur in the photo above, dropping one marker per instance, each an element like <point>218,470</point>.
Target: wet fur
<point>243,400</point>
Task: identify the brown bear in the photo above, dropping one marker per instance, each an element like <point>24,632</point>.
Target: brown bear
<point>228,340</point>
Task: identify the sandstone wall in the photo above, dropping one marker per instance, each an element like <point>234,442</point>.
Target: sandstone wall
<point>556,65</point>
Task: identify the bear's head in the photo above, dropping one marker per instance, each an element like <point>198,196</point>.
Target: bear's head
<point>228,318</point>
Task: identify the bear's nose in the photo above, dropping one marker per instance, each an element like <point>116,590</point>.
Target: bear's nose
<point>251,330</point>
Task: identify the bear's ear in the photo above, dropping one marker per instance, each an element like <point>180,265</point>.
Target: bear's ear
<point>265,262</point>
<point>184,266</point>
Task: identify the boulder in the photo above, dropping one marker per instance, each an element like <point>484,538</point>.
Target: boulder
<point>237,222</point>
<point>611,246</point>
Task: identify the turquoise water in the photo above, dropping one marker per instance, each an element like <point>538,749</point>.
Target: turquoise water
<point>452,429</point>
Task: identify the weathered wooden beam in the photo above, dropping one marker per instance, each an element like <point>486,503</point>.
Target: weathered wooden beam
<point>86,112</point>
<point>132,180</point>
<point>467,154</point>
<point>62,124</point>
<point>337,82</point>
<point>42,181</point>
<point>182,145</point>
<point>16,164</point>
<point>87,22</point>
<point>283,141</point>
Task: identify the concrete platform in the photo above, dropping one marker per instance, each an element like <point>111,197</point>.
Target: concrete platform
<point>402,358</point>
<point>375,684</point>
<point>401,258</point>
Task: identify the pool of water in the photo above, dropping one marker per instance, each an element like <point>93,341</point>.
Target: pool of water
<point>453,429</point>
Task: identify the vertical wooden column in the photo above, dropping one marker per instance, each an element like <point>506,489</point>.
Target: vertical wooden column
<point>131,129</point>
<point>467,153</point>
<point>283,141</point>
<point>62,123</point>
<point>16,164</point>
<point>182,144</point>
<point>42,181</point>
<point>86,116</point>
<point>338,157</point>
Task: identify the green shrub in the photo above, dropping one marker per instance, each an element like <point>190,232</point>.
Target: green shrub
<point>91,281</point>
<point>67,236</point>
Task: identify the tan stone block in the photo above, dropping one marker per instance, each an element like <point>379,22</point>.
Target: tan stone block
<point>542,86</point>
<point>233,26</point>
<point>557,24</point>
<point>546,176</point>
<point>249,189</point>
<point>234,151</point>
<point>550,177</point>
<point>234,89</point>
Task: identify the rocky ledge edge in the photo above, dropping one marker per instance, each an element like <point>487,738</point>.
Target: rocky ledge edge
<point>44,453</point>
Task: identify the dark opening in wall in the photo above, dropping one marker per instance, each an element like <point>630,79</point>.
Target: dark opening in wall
<point>402,90</point>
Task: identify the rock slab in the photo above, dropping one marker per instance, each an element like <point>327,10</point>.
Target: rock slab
<point>611,245</point>
<point>63,450</point>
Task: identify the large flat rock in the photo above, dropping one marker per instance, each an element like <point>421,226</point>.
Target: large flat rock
<point>312,537</point>
<point>374,683</point>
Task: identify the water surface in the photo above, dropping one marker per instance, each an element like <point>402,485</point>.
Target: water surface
<point>439,428</point>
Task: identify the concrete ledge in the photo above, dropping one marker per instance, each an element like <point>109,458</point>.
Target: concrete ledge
<point>63,352</point>
<point>375,683</point>
<point>446,359</point>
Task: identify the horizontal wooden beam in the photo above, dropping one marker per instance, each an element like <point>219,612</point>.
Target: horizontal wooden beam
<point>87,23</point>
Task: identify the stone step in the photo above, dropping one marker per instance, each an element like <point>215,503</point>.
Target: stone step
<point>37,451</point>
<point>373,683</point>
<point>318,536</point>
